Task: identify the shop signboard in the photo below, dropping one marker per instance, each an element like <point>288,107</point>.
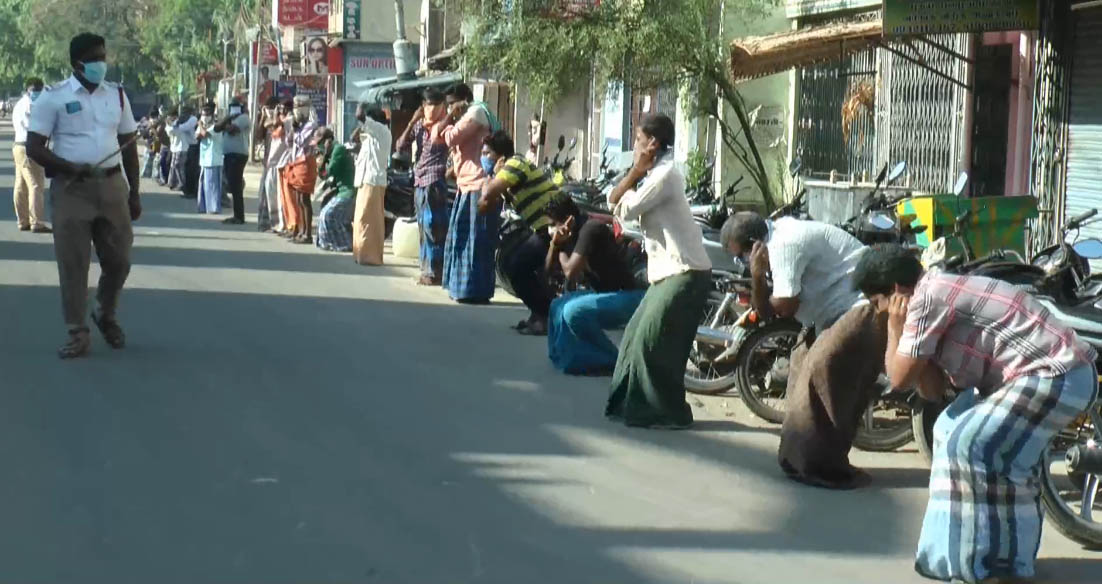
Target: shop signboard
<point>363,62</point>
<point>352,19</point>
<point>310,14</point>
<point>922,17</point>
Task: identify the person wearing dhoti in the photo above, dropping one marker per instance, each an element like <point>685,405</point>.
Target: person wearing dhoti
<point>648,382</point>
<point>1026,376</point>
<point>803,270</point>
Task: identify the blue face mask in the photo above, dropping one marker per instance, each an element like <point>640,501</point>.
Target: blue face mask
<point>488,164</point>
<point>35,94</point>
<point>95,71</point>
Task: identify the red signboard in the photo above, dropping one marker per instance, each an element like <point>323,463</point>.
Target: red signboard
<point>268,56</point>
<point>336,61</point>
<point>312,14</point>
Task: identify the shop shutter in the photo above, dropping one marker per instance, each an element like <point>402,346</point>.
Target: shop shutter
<point>1084,154</point>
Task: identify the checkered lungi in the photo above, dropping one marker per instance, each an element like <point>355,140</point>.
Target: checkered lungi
<point>335,224</point>
<point>469,267</point>
<point>984,515</point>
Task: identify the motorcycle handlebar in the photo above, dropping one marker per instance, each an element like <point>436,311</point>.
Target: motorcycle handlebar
<point>1078,220</point>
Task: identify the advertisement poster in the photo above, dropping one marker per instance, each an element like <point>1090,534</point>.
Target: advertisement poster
<point>303,13</point>
<point>266,55</point>
<point>315,53</point>
<point>910,17</point>
<point>362,63</point>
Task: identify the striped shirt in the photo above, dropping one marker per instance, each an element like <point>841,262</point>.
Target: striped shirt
<point>531,188</point>
<point>986,333</point>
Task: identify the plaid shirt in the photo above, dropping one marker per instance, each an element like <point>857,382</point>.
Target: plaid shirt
<point>986,333</point>
<point>432,159</point>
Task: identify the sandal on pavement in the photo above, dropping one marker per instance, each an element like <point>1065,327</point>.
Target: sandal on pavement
<point>112,332</point>
<point>428,281</point>
<point>78,345</point>
<point>534,329</point>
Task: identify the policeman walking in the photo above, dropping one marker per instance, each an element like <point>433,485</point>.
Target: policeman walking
<point>91,129</point>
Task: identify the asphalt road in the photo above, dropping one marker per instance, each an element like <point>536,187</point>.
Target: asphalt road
<point>282,415</point>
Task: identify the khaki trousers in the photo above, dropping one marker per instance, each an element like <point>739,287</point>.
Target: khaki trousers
<point>369,226</point>
<point>30,189</point>
<point>87,212</point>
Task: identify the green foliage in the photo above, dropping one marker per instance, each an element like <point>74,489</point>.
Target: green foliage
<point>151,44</point>
<point>638,43</point>
<point>696,168</point>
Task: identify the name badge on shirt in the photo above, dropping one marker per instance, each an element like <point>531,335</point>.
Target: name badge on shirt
<point>72,107</point>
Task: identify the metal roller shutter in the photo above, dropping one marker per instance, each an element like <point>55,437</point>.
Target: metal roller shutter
<point>1084,156</point>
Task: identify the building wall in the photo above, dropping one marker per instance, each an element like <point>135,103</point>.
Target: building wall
<point>377,24</point>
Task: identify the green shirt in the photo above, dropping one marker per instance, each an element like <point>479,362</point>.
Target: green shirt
<point>531,188</point>
<point>342,168</point>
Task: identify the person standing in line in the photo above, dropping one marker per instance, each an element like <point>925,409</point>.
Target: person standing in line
<point>164,160</point>
<point>269,216</point>
<point>182,131</point>
<point>302,171</point>
<point>191,167</point>
<point>431,188</point>
<point>469,266</point>
<point>148,129</point>
<point>337,214</point>
<point>210,163</point>
<point>235,145</point>
<point>91,130</point>
<point>648,384</point>
<point>30,177</point>
<point>285,133</point>
<point>369,223</point>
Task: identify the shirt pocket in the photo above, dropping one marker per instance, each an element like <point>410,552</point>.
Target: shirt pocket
<point>74,119</point>
<point>108,114</point>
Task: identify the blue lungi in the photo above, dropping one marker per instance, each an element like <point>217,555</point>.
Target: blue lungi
<point>432,223</point>
<point>576,339</point>
<point>469,269</point>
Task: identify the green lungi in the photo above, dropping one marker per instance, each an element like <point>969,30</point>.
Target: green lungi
<point>648,386</point>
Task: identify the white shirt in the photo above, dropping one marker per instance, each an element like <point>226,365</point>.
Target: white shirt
<point>815,262</point>
<point>374,156</point>
<point>674,241</point>
<point>83,127</point>
<point>182,134</point>
<point>21,118</point>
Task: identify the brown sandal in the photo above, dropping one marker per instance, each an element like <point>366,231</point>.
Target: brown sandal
<point>78,345</point>
<point>112,332</point>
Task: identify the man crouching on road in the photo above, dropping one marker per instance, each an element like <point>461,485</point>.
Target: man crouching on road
<point>92,131</point>
<point>835,364</point>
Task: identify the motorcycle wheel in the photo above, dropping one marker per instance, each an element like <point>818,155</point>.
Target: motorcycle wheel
<point>923,417</point>
<point>886,425</point>
<point>1073,501</point>
<point>762,366</point>
<point>703,374</point>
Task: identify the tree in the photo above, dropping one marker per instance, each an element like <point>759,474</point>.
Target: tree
<point>551,47</point>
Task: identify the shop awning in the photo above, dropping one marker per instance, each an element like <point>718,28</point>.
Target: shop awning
<point>753,57</point>
<point>379,91</point>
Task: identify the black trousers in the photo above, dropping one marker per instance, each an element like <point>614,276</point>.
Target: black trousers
<point>525,270</point>
<point>191,172</point>
<point>233,166</point>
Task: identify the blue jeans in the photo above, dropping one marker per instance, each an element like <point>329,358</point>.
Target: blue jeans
<point>576,339</point>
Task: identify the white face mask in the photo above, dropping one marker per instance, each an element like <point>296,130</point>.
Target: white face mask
<point>207,119</point>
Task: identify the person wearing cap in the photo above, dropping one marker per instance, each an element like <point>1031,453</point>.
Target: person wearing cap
<point>92,135</point>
